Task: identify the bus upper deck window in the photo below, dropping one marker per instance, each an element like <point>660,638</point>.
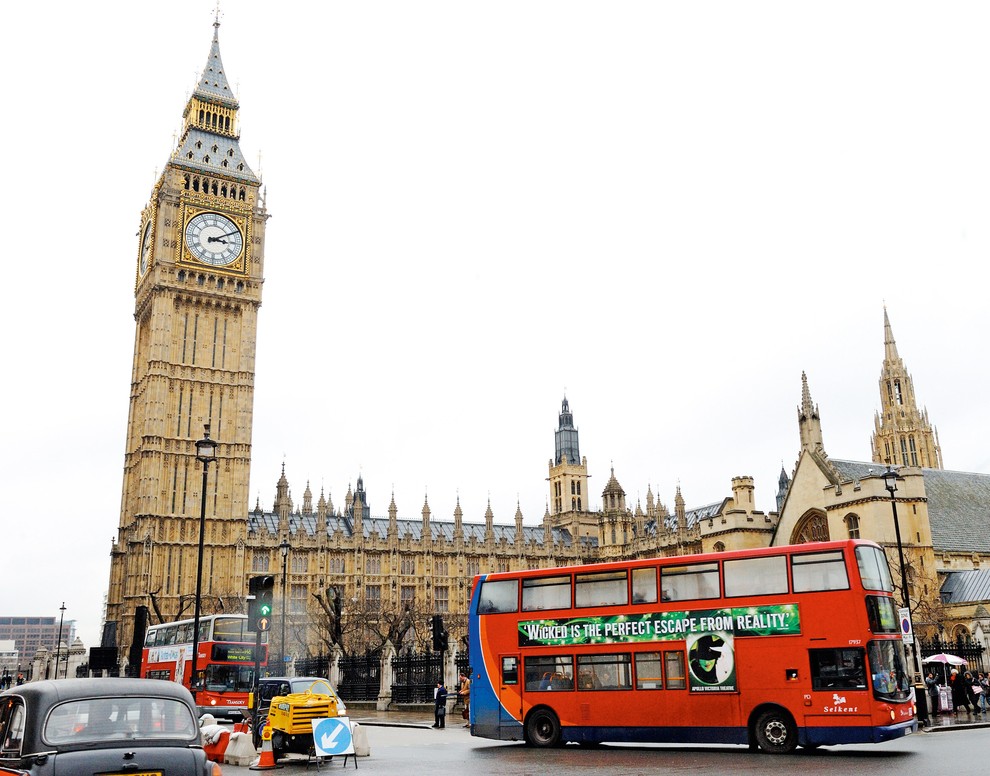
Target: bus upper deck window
<point>873,568</point>
<point>497,596</point>
<point>819,571</point>
<point>546,593</point>
<point>686,583</point>
<point>644,586</point>
<point>609,588</point>
<point>756,576</point>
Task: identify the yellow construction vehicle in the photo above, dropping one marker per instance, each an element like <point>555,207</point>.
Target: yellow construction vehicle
<point>291,716</point>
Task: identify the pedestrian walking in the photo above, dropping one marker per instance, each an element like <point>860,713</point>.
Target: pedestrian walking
<point>440,706</point>
<point>960,696</point>
<point>464,694</point>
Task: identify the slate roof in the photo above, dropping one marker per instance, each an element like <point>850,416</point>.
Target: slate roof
<point>200,155</point>
<point>959,510</point>
<point>965,586</point>
<point>691,516</point>
<point>958,504</point>
<point>440,531</point>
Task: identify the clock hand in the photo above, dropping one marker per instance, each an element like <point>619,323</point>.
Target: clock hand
<point>216,239</point>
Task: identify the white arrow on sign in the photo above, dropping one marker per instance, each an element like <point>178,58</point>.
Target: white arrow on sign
<point>329,741</point>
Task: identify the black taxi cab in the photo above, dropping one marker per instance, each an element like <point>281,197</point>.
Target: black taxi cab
<point>111,727</point>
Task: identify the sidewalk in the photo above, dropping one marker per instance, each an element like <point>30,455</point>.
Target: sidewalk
<point>964,720</point>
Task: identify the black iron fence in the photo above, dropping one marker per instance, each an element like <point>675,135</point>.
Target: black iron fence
<point>969,650</point>
<point>314,666</point>
<point>360,677</point>
<point>415,677</point>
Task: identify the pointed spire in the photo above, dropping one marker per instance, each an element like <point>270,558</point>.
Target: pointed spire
<point>213,83</point>
<point>889,346</point>
<point>809,422</point>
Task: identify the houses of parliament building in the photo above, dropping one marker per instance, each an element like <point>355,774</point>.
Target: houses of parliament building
<point>198,269</point>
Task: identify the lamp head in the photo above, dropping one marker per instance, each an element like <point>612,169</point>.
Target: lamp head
<point>206,448</point>
<point>890,479</point>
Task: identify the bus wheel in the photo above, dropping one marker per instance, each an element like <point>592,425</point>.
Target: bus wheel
<point>543,729</point>
<point>775,732</point>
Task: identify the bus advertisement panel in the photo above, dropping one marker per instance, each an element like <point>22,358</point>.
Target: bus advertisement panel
<point>225,665</point>
<point>772,648</point>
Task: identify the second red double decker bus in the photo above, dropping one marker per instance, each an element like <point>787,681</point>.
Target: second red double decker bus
<point>772,648</point>
<point>225,663</point>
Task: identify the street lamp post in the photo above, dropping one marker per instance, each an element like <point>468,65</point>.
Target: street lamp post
<point>58,643</point>
<point>284,547</point>
<point>206,451</point>
<point>890,483</point>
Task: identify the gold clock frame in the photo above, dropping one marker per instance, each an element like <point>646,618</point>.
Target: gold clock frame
<point>238,266</point>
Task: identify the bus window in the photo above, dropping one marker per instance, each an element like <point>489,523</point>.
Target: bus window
<point>882,615</point>
<point>873,569</point>
<point>841,669</point>
<point>604,672</point>
<point>169,633</point>
<point>819,571</point>
<point>498,596</point>
<point>756,576</point>
<point>610,588</point>
<point>674,664</point>
<point>644,586</point>
<point>185,634</point>
<point>228,629</point>
<point>689,583</point>
<point>151,637</point>
<point>546,593</point>
<point>510,670</point>
<point>649,671</point>
<point>549,672</point>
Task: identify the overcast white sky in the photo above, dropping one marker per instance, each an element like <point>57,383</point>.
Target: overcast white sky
<point>665,210</point>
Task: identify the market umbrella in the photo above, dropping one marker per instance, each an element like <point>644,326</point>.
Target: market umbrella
<point>945,661</point>
<point>942,657</point>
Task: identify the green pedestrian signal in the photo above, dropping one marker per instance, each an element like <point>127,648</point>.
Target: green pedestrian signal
<point>260,593</point>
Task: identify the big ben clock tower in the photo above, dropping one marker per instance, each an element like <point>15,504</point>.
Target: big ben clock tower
<point>198,268</point>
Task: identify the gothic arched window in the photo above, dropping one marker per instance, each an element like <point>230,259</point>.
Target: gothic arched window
<point>813,527</point>
<point>852,526</point>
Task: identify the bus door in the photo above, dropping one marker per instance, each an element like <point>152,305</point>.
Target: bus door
<point>509,691</point>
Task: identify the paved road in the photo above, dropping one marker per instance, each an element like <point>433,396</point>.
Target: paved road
<point>453,752</point>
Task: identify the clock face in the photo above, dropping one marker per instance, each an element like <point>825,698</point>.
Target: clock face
<point>214,239</point>
<point>145,247</point>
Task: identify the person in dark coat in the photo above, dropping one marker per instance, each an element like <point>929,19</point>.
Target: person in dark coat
<point>440,706</point>
<point>932,686</point>
<point>960,692</point>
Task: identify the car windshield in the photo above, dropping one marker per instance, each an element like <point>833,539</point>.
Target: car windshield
<point>92,720</point>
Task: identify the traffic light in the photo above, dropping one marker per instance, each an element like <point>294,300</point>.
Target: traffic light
<point>262,588</point>
<point>439,633</point>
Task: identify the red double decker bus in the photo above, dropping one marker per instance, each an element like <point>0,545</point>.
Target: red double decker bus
<point>771,648</point>
<point>225,663</point>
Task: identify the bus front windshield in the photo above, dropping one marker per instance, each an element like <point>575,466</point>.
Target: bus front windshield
<point>230,678</point>
<point>888,669</point>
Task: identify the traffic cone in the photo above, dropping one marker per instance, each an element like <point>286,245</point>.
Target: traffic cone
<point>267,760</point>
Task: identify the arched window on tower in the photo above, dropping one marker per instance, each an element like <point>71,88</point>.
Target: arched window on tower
<point>914,452</point>
<point>852,526</point>
<point>579,505</point>
<point>719,547</point>
<point>897,392</point>
<point>904,453</point>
